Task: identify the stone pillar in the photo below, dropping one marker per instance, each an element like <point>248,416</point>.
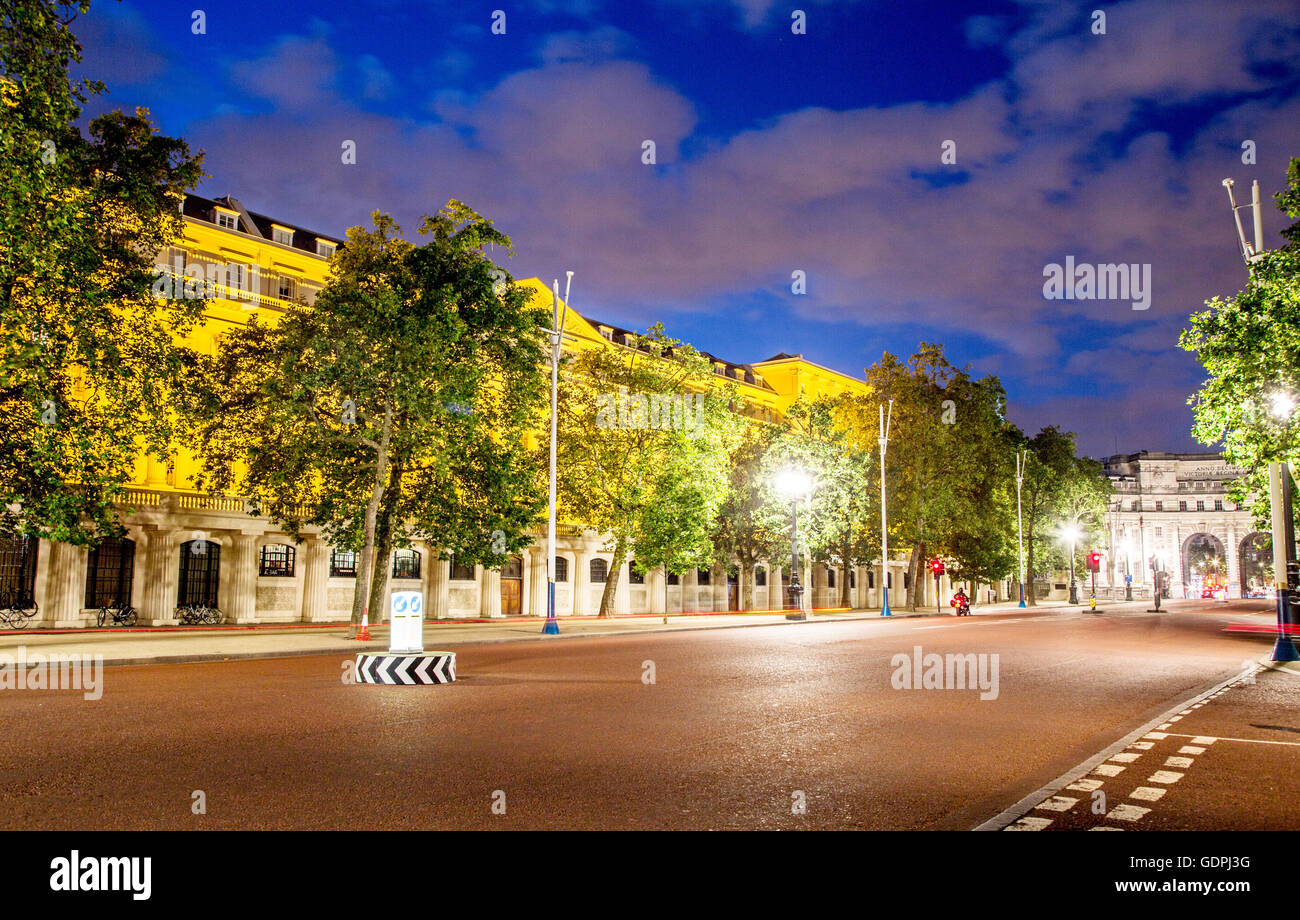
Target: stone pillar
<point>776,588</point>
<point>66,587</point>
<point>438,602</point>
<point>489,592</point>
<point>656,581</point>
<point>536,576</point>
<point>1233,563</point>
<point>581,578</point>
<point>315,584</point>
<point>240,602</point>
<point>623,596</point>
<point>718,581</point>
<point>162,571</point>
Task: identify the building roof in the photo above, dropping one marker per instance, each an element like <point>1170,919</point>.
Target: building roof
<point>205,209</point>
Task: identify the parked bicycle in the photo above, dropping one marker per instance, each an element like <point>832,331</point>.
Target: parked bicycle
<point>198,614</point>
<point>16,613</point>
<point>124,615</point>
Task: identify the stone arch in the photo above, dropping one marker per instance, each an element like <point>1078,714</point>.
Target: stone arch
<point>1203,557</point>
<point>1255,564</point>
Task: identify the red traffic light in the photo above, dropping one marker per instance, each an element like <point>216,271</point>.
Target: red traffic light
<point>1094,562</point>
<point>936,566</point>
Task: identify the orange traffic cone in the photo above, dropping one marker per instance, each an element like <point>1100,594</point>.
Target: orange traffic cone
<point>363,635</point>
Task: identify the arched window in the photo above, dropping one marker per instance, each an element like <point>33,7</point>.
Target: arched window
<point>853,578</point>
<point>599,571</point>
<point>108,573</point>
<point>406,563</point>
<point>343,563</point>
<point>674,578</point>
<point>276,560</point>
<point>200,573</point>
<point>561,568</point>
<point>760,576</point>
<point>633,576</point>
<point>830,577</point>
<point>701,576</point>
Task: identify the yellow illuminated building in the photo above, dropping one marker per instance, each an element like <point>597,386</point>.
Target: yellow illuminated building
<point>186,547</point>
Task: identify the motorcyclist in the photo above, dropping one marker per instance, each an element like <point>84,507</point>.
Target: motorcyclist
<point>961,602</point>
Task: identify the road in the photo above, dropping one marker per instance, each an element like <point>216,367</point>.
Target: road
<point>738,729</point>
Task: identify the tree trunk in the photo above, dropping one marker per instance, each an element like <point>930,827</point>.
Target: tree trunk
<point>611,581</point>
<point>1029,570</point>
<point>747,584</point>
<point>846,594</point>
<point>913,571</point>
<point>361,592</point>
<point>384,543</point>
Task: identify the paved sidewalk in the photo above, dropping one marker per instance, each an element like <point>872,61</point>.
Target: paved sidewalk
<point>177,644</point>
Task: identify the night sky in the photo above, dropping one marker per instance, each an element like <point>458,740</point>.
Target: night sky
<point>775,152</point>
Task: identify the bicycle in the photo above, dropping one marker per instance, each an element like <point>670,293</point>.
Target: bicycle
<point>17,614</point>
<point>198,614</point>
<point>124,615</point>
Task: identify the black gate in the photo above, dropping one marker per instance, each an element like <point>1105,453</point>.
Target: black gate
<point>18,571</point>
<point>200,570</point>
<point>109,573</point>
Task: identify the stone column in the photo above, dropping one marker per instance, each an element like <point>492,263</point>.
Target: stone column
<point>1233,563</point>
<point>655,582</point>
<point>581,578</point>
<point>775,588</point>
<point>241,583</point>
<point>489,592</point>
<point>162,571</point>
<point>315,584</point>
<point>623,595</point>
<point>718,579</point>
<point>438,603</point>
<point>536,576</point>
<point>66,588</point>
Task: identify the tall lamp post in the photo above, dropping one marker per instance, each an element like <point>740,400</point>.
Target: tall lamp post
<point>1071,532</point>
<point>1279,491</point>
<point>1021,459</point>
<point>794,484</point>
<point>884,522</point>
<point>556,336</point>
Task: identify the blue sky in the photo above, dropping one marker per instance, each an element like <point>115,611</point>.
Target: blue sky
<point>776,152</point>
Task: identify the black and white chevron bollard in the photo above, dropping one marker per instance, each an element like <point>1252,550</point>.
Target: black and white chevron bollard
<point>406,668</point>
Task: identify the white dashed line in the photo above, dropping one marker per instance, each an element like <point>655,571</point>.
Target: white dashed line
<point>1143,745</point>
<point>1102,827</point>
<point>1147,793</point>
<point>1108,769</point>
<point>1183,762</point>
<point>1125,758</point>
<point>1164,776</point>
<point>1190,749</point>
<point>1058,803</point>
<point>1030,824</point>
<point>1127,812</point>
<point>1085,785</point>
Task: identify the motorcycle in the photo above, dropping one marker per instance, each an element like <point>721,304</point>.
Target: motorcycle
<point>962,605</point>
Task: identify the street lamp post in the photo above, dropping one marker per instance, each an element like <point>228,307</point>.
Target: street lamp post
<point>794,483</point>
<point>555,336</point>
<point>884,523</point>
<point>1021,459</point>
<point>1279,493</point>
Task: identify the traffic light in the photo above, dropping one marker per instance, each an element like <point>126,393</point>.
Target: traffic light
<point>1094,562</point>
<point>936,567</point>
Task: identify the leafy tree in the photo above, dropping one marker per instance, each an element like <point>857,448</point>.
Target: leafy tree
<point>746,528</point>
<point>1049,462</point>
<point>88,363</point>
<point>394,408</point>
<point>1249,345</point>
<point>642,435</point>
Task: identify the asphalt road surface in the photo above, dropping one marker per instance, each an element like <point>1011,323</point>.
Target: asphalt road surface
<point>796,725</point>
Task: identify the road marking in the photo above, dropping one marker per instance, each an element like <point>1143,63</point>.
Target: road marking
<point>1108,769</point>
<point>1085,785</point>
<point>1102,827</point>
<point>1125,758</point>
<point>1188,749</point>
<point>1143,745</point>
<point>1147,793</point>
<point>1127,812</point>
<point>1008,815</point>
<point>1202,739</point>
<point>1164,776</point>
<point>1183,762</point>
<point>1058,803</point>
<point>1030,824</point>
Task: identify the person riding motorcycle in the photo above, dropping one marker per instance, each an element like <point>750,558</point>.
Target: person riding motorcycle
<point>961,602</point>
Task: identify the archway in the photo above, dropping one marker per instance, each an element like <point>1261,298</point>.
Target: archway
<point>1256,565</point>
<point>1205,564</point>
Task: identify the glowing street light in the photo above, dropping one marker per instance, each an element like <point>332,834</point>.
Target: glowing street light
<point>1282,405</point>
<point>794,484</point>
<point>1072,533</point>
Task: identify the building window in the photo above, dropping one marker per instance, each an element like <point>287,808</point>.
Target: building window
<point>406,563</point>
<point>830,578</point>
<point>282,236</point>
<point>701,576</point>
<point>343,563</point>
<point>1160,531</point>
<point>760,576</point>
<point>461,572</point>
<point>561,568</point>
<point>633,576</point>
<point>276,560</point>
<point>1135,507</point>
<point>1200,506</point>
<point>674,578</point>
<point>228,221</point>
<point>108,573</point>
<point>1218,505</point>
<point>1182,506</point>
<point>285,288</point>
<point>599,569</point>
<point>907,580</point>
<point>871,578</point>
<point>853,578</point>
<point>200,573</point>
<point>324,248</point>
<point>1160,506</point>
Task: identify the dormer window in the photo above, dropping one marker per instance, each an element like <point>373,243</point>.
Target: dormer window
<point>324,248</point>
<point>228,220</point>
<point>282,235</point>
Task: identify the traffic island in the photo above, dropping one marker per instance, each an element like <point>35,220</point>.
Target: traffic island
<point>406,668</point>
